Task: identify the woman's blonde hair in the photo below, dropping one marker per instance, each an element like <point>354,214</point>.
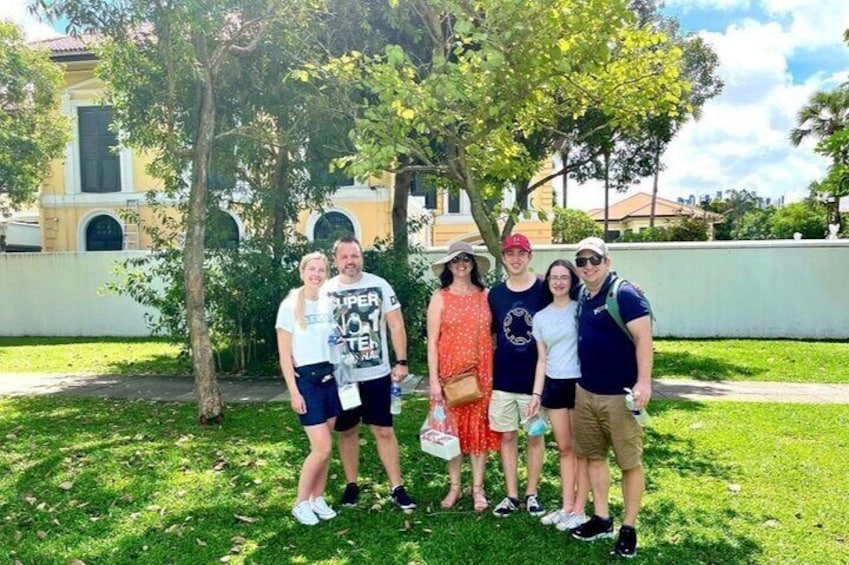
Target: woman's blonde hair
<point>300,301</point>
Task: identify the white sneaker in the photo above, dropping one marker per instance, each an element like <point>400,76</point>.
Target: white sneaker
<point>553,518</point>
<point>572,520</point>
<point>321,509</point>
<point>303,513</point>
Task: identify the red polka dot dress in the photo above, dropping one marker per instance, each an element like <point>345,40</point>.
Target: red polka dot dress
<point>465,327</point>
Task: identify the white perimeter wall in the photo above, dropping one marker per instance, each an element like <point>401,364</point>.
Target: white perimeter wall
<point>62,294</point>
<point>794,289</point>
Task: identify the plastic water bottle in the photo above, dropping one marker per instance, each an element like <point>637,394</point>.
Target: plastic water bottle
<point>642,416</point>
<point>395,396</point>
<point>334,342</point>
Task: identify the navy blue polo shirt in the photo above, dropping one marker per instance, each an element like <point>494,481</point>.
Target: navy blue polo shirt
<point>608,356</point>
<point>515,347</point>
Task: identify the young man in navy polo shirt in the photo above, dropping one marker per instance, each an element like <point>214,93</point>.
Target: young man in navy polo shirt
<point>611,360</point>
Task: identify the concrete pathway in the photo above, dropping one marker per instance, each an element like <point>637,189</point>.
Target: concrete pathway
<point>270,389</point>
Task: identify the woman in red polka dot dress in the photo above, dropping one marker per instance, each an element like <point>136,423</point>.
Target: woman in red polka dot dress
<point>459,338</point>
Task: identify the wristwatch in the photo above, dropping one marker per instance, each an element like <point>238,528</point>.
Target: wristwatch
<point>402,362</point>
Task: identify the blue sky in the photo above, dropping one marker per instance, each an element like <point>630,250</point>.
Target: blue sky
<point>774,54</point>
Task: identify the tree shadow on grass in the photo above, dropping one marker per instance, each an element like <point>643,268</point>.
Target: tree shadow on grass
<point>698,367</point>
<point>150,451</point>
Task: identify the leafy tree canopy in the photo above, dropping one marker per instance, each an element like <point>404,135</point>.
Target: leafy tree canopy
<point>33,131</point>
<point>503,70</point>
<point>571,226</point>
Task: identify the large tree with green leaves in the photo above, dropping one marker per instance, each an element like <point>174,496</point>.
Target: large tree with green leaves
<point>33,131</point>
<point>503,70</point>
<point>170,67</point>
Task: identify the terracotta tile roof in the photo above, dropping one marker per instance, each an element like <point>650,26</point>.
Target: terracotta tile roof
<point>639,206</point>
<point>67,45</point>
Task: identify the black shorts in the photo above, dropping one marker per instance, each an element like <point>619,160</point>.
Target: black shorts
<point>374,410</point>
<point>558,393</point>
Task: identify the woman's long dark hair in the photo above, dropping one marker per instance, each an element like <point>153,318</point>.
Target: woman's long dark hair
<point>574,282</point>
<point>446,277</point>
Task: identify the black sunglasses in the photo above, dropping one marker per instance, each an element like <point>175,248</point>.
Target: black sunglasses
<point>594,260</point>
<point>461,259</point>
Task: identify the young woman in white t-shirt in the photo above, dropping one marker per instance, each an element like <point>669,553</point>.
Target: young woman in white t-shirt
<point>304,324</point>
<point>555,330</point>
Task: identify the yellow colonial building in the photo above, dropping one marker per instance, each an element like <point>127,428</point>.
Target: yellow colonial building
<point>82,203</point>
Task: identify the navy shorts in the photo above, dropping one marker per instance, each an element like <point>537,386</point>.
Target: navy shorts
<point>321,398</point>
<point>558,393</point>
<point>374,409</point>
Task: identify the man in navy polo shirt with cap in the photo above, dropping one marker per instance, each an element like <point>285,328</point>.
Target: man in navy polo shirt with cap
<point>611,360</point>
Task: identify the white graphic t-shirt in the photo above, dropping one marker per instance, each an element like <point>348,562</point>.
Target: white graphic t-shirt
<point>359,311</point>
<point>309,345</point>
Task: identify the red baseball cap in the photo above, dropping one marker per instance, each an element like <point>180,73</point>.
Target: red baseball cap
<point>515,241</point>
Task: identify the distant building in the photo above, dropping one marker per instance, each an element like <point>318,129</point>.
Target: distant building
<point>633,214</point>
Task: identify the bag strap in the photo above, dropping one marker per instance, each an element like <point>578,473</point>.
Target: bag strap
<point>611,301</point>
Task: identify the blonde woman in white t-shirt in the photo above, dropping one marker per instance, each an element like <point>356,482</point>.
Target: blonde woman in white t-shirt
<point>304,324</point>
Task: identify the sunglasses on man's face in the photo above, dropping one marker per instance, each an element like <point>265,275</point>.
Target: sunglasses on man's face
<point>461,259</point>
<point>594,260</point>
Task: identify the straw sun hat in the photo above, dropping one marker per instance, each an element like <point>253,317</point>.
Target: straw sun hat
<point>459,248</point>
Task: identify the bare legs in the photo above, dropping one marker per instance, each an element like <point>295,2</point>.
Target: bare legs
<point>313,478</point>
<point>387,450</point>
<point>455,466</point>
<point>510,462</point>
<point>574,482</point>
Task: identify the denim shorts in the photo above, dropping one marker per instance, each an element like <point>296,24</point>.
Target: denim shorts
<point>373,411</point>
<point>321,398</point>
<point>558,393</point>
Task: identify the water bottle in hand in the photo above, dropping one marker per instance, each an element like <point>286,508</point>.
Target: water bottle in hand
<point>334,343</point>
<point>642,416</point>
<point>395,399</point>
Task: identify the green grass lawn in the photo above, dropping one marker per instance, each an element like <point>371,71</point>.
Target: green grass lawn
<point>721,359</point>
<point>100,355</point>
<point>138,482</point>
<point>753,360</point>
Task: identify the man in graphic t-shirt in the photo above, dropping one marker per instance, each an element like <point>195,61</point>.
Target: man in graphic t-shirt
<point>363,306</point>
<point>514,303</point>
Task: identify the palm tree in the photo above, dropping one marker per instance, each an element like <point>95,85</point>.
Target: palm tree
<point>825,114</point>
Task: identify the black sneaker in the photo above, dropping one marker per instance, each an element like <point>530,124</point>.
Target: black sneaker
<point>534,506</point>
<point>506,507</point>
<point>351,495</point>
<point>626,545</point>
<point>403,500</point>
<point>594,528</point>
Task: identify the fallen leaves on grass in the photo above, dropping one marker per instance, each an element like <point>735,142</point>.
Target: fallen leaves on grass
<point>246,519</point>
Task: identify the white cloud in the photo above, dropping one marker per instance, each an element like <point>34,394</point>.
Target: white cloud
<point>742,140</point>
<point>814,24</point>
<point>15,11</point>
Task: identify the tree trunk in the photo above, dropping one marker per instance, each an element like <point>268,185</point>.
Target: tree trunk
<point>565,155</point>
<point>606,195</point>
<point>282,193</point>
<point>487,226</point>
<point>655,185</point>
<point>400,200</point>
<point>210,405</point>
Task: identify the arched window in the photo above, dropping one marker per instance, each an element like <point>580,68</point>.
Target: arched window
<point>104,233</point>
<point>221,231</point>
<point>331,226</point>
